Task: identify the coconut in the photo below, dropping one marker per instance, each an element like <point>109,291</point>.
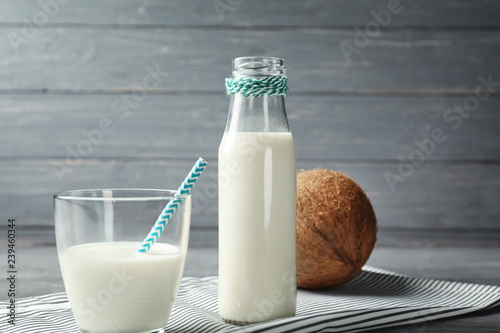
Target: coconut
<point>336,229</point>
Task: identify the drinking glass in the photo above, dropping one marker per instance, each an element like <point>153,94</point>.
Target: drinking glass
<point>111,287</point>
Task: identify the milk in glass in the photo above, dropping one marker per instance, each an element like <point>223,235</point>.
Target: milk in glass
<point>112,288</point>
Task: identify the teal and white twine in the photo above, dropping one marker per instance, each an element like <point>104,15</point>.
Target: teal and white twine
<point>252,87</point>
<point>166,215</point>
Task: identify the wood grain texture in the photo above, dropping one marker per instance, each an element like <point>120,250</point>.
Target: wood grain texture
<point>255,13</point>
<point>170,126</point>
<point>434,196</point>
<point>197,60</point>
<point>39,270</point>
<point>387,237</point>
<point>42,276</point>
<point>442,222</point>
<point>455,262</point>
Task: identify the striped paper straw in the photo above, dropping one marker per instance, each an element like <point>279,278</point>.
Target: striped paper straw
<point>166,215</point>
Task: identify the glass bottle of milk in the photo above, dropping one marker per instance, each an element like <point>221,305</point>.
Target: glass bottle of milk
<point>257,197</point>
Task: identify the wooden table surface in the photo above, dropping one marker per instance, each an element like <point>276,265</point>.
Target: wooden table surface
<point>368,106</point>
<point>464,257</point>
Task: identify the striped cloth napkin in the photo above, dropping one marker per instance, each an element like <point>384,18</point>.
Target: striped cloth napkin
<point>375,299</point>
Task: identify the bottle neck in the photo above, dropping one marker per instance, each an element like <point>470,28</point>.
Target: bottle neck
<point>259,114</point>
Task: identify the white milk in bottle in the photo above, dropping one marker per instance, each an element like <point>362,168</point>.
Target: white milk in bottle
<point>257,196</point>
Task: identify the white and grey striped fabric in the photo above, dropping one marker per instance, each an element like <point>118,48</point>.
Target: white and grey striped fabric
<point>375,299</point>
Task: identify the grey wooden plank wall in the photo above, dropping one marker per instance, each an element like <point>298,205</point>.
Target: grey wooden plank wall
<point>410,82</point>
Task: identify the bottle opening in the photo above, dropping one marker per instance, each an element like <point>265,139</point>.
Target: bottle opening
<point>257,66</point>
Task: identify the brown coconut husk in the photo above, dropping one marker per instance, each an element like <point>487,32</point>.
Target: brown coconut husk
<point>336,229</point>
